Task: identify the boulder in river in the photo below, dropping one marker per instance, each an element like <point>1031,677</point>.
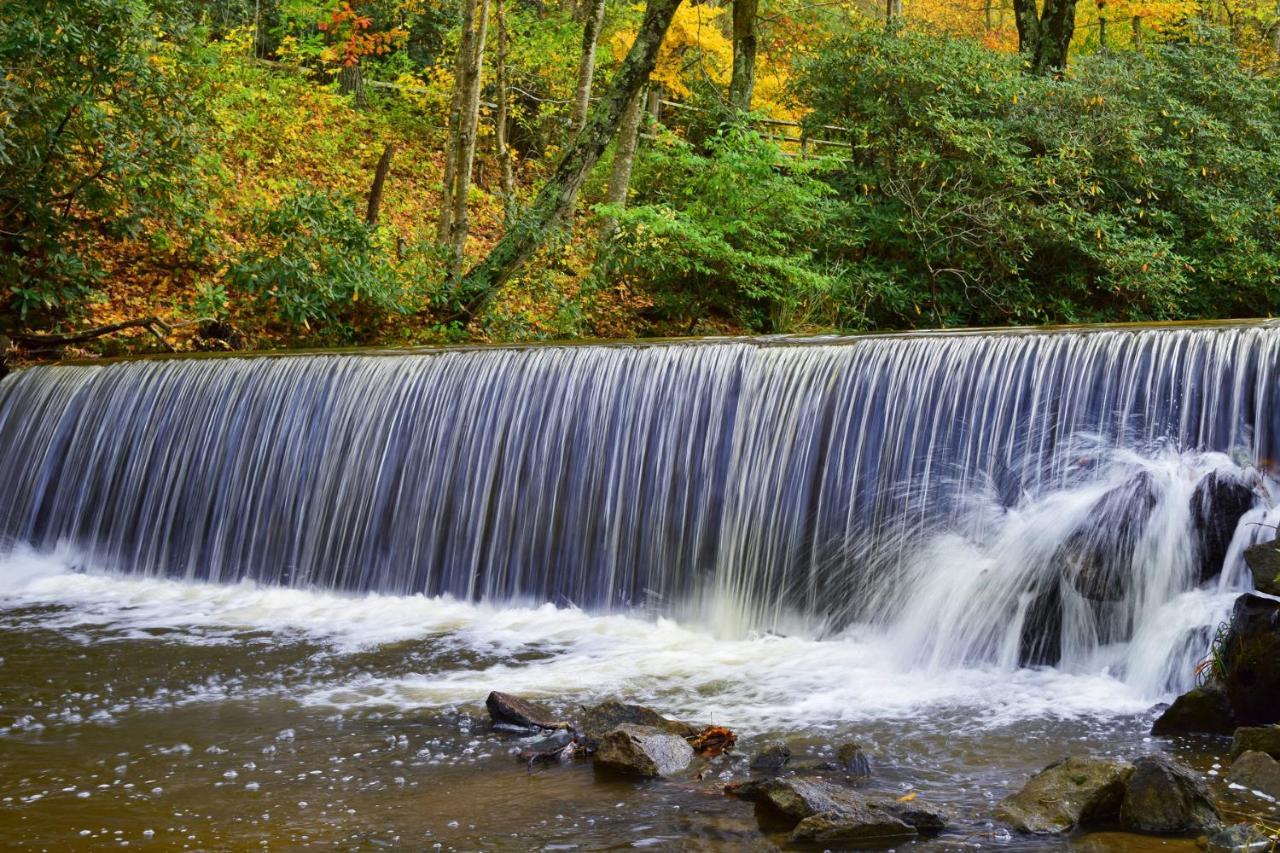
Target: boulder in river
<point>1202,710</point>
<point>1264,562</point>
<point>1250,659</point>
<point>596,722</point>
<point>1098,557</point>
<point>822,811</point>
<point>1257,771</point>
<point>643,751</point>
<point>1217,504</point>
<point>514,712</point>
<point>852,759</point>
<point>772,759</point>
<point>1256,739</point>
<point>863,825</point>
<point>1164,797</point>
<point>1067,794</point>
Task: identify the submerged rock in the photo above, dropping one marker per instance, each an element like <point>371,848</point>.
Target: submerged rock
<point>1239,838</point>
<point>853,759</point>
<point>643,751</point>
<point>1257,771</point>
<point>924,818</point>
<point>1251,661</point>
<point>1066,794</point>
<point>1203,710</point>
<point>596,722</point>
<point>823,811</point>
<point>772,759</point>
<point>1217,504</point>
<point>861,825</point>
<point>1165,797</point>
<point>507,710</point>
<point>1256,739</point>
<point>1264,562</point>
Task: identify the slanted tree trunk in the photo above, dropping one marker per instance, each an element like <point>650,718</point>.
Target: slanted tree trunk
<point>502,117</point>
<point>624,160</point>
<point>591,27</point>
<point>465,143</point>
<point>1044,36</point>
<point>743,82</point>
<point>379,179</point>
<point>351,83</point>
<point>556,197</point>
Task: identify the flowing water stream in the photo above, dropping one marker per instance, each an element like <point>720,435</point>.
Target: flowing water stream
<point>259,601</point>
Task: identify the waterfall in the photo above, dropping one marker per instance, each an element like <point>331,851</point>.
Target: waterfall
<point>1010,498</point>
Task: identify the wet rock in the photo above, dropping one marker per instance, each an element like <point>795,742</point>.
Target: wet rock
<point>1251,661</point>
<point>1257,771</point>
<point>1066,794</point>
<point>1238,838</point>
<point>1217,504</point>
<point>853,759</point>
<point>643,751</point>
<point>772,759</point>
<point>603,718</point>
<point>507,710</point>
<point>1203,710</point>
<point>1256,739</point>
<point>1264,562</point>
<point>924,818</point>
<point>864,825</point>
<point>1097,558</point>
<point>1164,797</point>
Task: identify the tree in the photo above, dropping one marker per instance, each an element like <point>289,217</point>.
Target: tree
<point>557,196</point>
<point>1044,36</point>
<point>463,122</point>
<point>591,27</point>
<point>624,160</point>
<point>743,82</point>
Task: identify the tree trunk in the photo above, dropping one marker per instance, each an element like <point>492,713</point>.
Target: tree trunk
<point>591,27</point>
<point>351,82</point>
<point>624,159</point>
<point>523,239</point>
<point>379,178</point>
<point>502,117</point>
<point>743,82</point>
<point>444,224</point>
<point>1137,31</point>
<point>1102,33</point>
<point>465,153</point>
<point>892,11</point>
<point>1044,37</point>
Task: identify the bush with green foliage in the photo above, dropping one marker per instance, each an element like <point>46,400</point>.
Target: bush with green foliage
<point>100,121</point>
<point>1141,186</point>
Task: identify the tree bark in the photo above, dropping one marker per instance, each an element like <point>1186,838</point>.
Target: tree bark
<point>502,116</point>
<point>1044,37</point>
<point>351,82</point>
<point>743,82</point>
<point>379,178</point>
<point>624,160</point>
<point>1137,31</point>
<point>465,152</point>
<point>529,232</point>
<point>591,26</point>
<point>892,11</point>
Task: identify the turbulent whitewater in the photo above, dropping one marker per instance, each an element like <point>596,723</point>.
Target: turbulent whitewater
<point>978,499</point>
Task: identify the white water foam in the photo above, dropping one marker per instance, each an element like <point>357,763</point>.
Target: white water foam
<point>774,681</point>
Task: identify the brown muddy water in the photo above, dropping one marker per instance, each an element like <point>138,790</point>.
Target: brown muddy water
<point>181,716</point>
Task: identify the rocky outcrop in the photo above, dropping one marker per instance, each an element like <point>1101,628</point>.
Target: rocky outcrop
<point>1204,710</point>
<point>1264,562</point>
<point>1256,739</point>
<point>643,751</point>
<point>1251,661</point>
<point>1164,797</point>
<point>1217,504</point>
<point>822,811</point>
<point>772,759</point>
<point>514,712</point>
<point>1256,771</point>
<point>1067,794</point>
<point>595,722</point>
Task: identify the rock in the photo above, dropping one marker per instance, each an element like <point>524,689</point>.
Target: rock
<point>606,716</point>
<point>852,759</point>
<point>1203,710</point>
<point>1217,504</point>
<point>1256,739</point>
<point>1165,797</point>
<point>1068,793</point>
<point>1238,838</point>
<point>1257,771</point>
<point>1098,557</point>
<point>1041,640</point>
<point>1251,660</point>
<point>772,759</point>
<point>643,751</point>
<point>862,825</point>
<point>924,818</point>
<point>508,710</point>
<point>1264,562</point>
